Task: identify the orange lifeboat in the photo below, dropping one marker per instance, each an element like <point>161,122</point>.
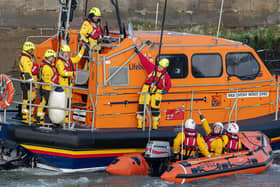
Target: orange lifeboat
<point>130,164</point>
<point>255,159</point>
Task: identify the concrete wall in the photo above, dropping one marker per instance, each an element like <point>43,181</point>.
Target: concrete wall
<point>37,13</point>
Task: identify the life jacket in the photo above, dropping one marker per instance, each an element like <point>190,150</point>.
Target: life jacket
<point>55,76</point>
<point>212,137</point>
<point>232,145</point>
<point>156,82</point>
<point>35,67</point>
<point>68,65</point>
<point>190,141</point>
<point>96,32</point>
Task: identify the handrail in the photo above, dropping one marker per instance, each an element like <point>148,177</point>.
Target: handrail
<point>115,72</point>
<point>30,104</point>
<point>234,106</point>
<point>28,37</point>
<point>94,105</point>
<point>201,85</point>
<point>202,45</point>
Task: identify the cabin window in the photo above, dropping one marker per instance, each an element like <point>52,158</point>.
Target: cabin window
<point>242,65</point>
<point>178,66</point>
<point>121,78</point>
<point>207,65</point>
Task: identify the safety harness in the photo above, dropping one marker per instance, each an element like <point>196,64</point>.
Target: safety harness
<point>68,66</point>
<point>154,82</point>
<point>95,34</point>
<point>35,68</point>
<point>232,145</point>
<point>212,137</point>
<point>190,142</point>
<point>55,76</point>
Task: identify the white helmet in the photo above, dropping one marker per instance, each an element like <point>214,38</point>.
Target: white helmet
<point>190,124</point>
<point>232,128</point>
<point>220,125</point>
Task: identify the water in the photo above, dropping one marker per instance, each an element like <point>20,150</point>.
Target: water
<point>27,177</point>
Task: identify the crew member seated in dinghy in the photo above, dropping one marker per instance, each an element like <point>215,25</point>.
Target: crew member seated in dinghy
<point>193,142</point>
<point>231,140</point>
<point>213,136</point>
<point>157,83</point>
<point>65,69</point>
<point>50,76</point>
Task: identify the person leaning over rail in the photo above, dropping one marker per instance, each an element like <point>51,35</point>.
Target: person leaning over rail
<point>193,142</point>
<point>65,69</point>
<point>157,83</point>
<point>29,70</point>
<point>231,140</point>
<point>213,136</point>
<point>48,75</point>
<point>91,31</point>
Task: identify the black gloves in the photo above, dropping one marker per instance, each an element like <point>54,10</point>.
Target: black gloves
<point>148,42</point>
<point>136,50</point>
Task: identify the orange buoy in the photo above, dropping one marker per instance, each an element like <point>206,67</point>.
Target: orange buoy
<point>6,91</point>
<point>130,164</point>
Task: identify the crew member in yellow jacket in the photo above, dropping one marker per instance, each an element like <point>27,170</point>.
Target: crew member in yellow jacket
<point>213,136</point>
<point>48,75</point>
<point>91,31</point>
<point>231,139</point>
<point>29,70</point>
<point>65,68</point>
<point>193,142</point>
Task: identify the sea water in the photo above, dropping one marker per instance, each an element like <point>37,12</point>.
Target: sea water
<point>28,177</point>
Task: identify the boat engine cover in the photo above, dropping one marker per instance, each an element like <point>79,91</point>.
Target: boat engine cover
<point>157,149</point>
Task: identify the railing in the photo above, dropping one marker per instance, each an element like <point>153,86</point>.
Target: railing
<point>147,113</point>
<point>69,109</point>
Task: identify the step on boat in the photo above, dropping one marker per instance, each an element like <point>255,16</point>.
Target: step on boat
<point>255,159</point>
<point>225,79</point>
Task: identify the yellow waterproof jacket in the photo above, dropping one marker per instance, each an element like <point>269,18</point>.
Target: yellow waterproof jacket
<point>26,65</point>
<point>226,139</point>
<point>65,76</point>
<point>86,30</point>
<point>215,145</point>
<point>47,74</point>
<point>200,143</point>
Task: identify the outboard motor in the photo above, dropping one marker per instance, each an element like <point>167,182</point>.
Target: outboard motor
<point>57,99</point>
<point>157,155</point>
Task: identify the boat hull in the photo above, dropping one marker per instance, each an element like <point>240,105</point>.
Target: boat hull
<point>78,150</point>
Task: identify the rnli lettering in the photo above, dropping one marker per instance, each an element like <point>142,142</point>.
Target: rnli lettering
<point>247,94</point>
<point>208,165</point>
<point>135,67</point>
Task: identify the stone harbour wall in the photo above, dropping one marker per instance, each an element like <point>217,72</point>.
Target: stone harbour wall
<point>237,13</point>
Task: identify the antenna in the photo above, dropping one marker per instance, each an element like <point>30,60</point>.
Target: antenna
<point>220,18</point>
<point>162,28</point>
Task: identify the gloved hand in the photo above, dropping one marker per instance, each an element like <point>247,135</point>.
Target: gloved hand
<point>148,42</point>
<point>163,92</point>
<point>136,50</point>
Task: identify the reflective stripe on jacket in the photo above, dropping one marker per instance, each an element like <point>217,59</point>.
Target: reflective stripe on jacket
<point>232,143</point>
